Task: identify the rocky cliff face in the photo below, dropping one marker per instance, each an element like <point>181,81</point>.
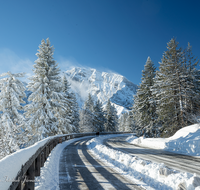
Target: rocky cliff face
<point>102,86</point>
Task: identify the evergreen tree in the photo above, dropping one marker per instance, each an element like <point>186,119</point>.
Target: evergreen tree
<point>45,86</point>
<point>174,88</point>
<point>86,121</point>
<point>111,118</point>
<point>129,125</point>
<point>75,114</point>
<point>12,136</point>
<point>64,111</point>
<point>144,108</point>
<point>191,79</point>
<point>87,116</point>
<point>122,122</point>
<point>89,103</point>
<point>99,118</point>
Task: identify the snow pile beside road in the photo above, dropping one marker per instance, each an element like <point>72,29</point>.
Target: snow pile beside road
<point>144,172</point>
<point>157,143</point>
<point>49,176</point>
<point>185,141</point>
<point>11,164</point>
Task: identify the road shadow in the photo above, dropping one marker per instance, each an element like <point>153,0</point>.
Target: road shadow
<point>146,150</point>
<point>74,174</point>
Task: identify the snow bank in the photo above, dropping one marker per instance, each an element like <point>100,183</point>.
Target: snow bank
<point>157,143</point>
<point>142,172</point>
<point>185,141</point>
<point>49,176</point>
<point>11,164</point>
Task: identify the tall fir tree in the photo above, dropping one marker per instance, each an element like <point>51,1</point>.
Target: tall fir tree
<point>192,86</point>
<point>122,121</point>
<point>129,125</point>
<point>45,86</point>
<point>89,103</point>
<point>64,111</point>
<point>174,89</point>
<point>111,123</point>
<point>144,108</point>
<point>12,134</point>
<point>99,118</point>
<point>87,116</point>
<point>86,122</point>
<point>75,114</point>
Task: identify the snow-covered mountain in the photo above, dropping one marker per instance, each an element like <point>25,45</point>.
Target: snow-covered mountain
<point>102,86</point>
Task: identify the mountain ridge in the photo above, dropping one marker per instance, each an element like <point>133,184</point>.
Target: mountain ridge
<point>102,86</point>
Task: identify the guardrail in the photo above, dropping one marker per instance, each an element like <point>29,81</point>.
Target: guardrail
<point>25,177</point>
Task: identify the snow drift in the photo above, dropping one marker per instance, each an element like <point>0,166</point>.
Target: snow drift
<point>185,141</point>
<point>144,173</point>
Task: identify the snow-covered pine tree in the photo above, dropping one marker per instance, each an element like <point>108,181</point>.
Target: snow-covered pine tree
<point>169,89</point>
<point>99,118</point>
<point>12,135</point>
<point>45,86</point>
<point>111,118</point>
<point>87,116</point>
<point>122,121</point>
<point>86,121</point>
<point>63,113</point>
<point>144,108</point>
<point>89,103</point>
<point>192,85</point>
<point>129,125</point>
<point>75,113</point>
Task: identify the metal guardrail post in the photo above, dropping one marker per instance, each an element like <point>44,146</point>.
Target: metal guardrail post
<point>47,150</point>
<point>37,165</point>
<point>45,153</point>
<point>30,176</point>
<point>42,159</point>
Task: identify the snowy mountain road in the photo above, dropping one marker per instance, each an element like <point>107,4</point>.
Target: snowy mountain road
<point>79,169</point>
<point>175,161</point>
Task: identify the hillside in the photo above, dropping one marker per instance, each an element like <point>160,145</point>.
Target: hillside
<point>102,86</point>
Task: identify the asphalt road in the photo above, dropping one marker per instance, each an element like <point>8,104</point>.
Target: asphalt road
<point>175,161</point>
<point>78,169</point>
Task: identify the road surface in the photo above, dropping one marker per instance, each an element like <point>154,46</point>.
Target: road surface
<point>175,161</point>
<point>80,170</point>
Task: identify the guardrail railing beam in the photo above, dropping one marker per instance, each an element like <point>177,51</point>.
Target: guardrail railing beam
<point>25,177</point>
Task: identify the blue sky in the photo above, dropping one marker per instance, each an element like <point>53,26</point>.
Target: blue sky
<point>115,35</point>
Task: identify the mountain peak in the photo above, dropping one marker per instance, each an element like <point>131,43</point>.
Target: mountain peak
<point>102,86</point>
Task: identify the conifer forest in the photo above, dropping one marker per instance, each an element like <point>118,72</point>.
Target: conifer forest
<point>167,99</point>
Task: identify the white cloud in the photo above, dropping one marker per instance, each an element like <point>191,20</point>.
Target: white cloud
<point>10,61</point>
<point>80,88</point>
<point>67,63</point>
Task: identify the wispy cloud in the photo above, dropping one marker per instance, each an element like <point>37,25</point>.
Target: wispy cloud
<point>10,61</point>
<point>67,63</point>
<point>80,88</point>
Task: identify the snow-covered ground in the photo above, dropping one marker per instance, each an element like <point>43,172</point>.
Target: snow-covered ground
<point>185,141</point>
<point>49,176</point>
<point>142,172</point>
<point>11,164</point>
<point>145,173</point>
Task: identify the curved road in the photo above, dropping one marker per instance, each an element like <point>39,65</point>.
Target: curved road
<point>79,170</point>
<point>175,161</point>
